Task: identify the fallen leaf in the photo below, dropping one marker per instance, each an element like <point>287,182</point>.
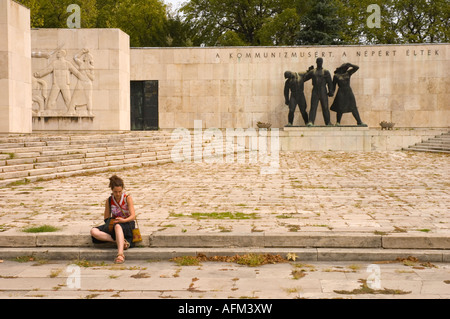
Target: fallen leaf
<point>291,256</point>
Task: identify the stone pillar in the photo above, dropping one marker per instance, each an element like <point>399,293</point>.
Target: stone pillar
<point>15,68</point>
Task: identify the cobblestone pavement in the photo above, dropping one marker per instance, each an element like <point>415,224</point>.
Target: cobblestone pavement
<point>222,280</point>
<point>384,192</point>
<point>389,192</point>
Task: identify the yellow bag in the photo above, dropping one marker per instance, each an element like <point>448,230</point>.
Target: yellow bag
<point>136,233</point>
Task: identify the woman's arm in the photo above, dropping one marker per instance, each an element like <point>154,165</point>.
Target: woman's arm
<point>107,213</point>
<point>130,209</point>
<point>352,68</point>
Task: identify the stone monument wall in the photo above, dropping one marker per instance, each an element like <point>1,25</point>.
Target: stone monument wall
<point>81,80</point>
<point>237,87</point>
<point>15,65</point>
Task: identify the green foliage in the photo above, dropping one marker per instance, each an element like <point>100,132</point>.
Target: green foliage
<point>321,24</point>
<point>254,22</point>
<point>224,215</point>
<point>41,229</point>
<point>53,13</point>
<point>402,21</point>
<point>230,38</point>
<point>229,22</point>
<point>280,29</point>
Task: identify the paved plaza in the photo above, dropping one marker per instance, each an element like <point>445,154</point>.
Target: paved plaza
<point>222,280</point>
<point>389,193</point>
<point>384,192</point>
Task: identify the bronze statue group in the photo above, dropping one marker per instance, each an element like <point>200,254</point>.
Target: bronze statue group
<point>323,87</point>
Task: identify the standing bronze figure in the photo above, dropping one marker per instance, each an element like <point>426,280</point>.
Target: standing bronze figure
<point>295,84</point>
<point>321,79</point>
<point>345,101</point>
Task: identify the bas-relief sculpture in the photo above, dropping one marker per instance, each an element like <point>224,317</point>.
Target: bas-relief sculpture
<point>63,72</point>
<point>323,87</point>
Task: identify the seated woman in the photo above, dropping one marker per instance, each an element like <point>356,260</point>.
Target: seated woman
<point>119,219</point>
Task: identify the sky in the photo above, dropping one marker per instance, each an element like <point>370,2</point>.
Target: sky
<point>175,3</point>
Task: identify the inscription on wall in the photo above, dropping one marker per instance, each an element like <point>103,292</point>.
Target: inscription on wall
<point>295,54</point>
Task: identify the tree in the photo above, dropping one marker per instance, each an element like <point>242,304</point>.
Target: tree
<point>402,21</point>
<point>178,31</point>
<point>255,22</point>
<point>219,22</point>
<point>320,24</point>
<point>145,21</point>
<point>53,13</point>
<point>422,21</point>
<point>280,29</point>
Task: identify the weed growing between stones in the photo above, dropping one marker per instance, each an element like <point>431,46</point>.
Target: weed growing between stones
<point>365,289</point>
<point>251,260</point>
<point>41,229</point>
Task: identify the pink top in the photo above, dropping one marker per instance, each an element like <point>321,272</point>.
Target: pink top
<point>119,209</point>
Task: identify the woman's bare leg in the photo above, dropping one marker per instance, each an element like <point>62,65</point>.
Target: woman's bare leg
<point>98,234</point>
<point>120,238</point>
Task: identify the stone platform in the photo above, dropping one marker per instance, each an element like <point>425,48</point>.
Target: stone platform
<point>351,138</point>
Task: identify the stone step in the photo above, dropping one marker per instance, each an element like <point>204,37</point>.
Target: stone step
<point>70,162</point>
<point>426,150</point>
<point>432,146</point>
<point>440,139</point>
<point>42,138</point>
<point>241,240</point>
<point>302,254</point>
<point>18,151</point>
<point>437,144</point>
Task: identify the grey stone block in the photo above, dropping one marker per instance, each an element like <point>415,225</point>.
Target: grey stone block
<point>18,240</point>
<point>62,240</point>
<point>208,240</point>
<point>323,240</point>
<point>416,242</point>
<point>354,254</point>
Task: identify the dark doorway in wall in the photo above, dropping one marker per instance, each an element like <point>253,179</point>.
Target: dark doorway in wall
<point>144,105</point>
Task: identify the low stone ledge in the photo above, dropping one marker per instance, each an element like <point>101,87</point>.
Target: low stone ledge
<point>301,254</point>
<point>399,241</point>
<point>18,240</point>
<point>316,240</point>
<point>208,240</point>
<point>62,240</point>
<point>41,253</point>
<point>361,254</point>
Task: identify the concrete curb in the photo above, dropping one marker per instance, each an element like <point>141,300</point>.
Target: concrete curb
<point>224,240</point>
<point>306,254</point>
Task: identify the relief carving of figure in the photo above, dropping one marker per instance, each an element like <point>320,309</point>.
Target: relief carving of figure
<point>39,94</point>
<point>82,94</point>
<point>62,69</point>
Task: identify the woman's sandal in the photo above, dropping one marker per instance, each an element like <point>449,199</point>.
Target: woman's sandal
<point>120,259</point>
<point>126,245</point>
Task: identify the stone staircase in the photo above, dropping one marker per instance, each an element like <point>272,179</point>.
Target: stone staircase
<point>437,144</point>
<point>37,157</point>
